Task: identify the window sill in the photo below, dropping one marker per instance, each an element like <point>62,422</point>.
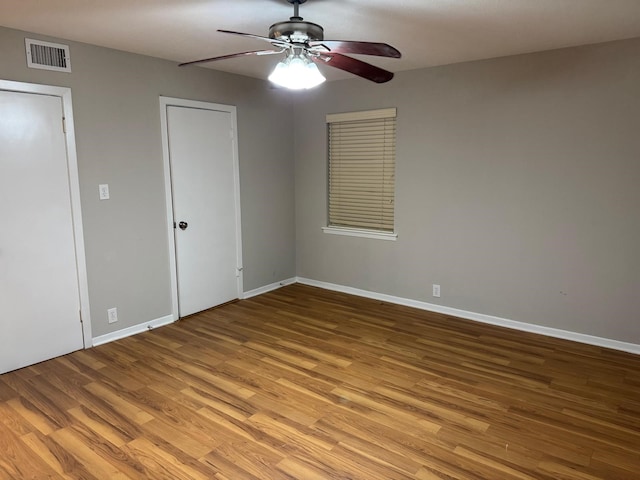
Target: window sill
<point>354,232</point>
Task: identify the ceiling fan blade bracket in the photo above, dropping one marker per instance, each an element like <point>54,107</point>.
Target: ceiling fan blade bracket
<point>271,52</point>
<point>320,56</point>
<point>274,41</point>
<point>233,55</point>
<point>355,47</point>
<point>355,66</point>
<point>318,48</point>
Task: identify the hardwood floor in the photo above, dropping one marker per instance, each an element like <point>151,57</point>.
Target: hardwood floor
<point>303,383</point>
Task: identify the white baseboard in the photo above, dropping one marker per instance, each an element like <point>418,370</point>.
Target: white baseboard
<point>143,327</point>
<point>127,332</point>
<point>479,317</point>
<point>269,288</point>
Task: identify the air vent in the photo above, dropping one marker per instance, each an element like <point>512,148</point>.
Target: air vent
<point>48,56</point>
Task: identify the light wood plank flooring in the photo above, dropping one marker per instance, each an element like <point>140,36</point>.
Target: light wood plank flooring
<point>303,383</point>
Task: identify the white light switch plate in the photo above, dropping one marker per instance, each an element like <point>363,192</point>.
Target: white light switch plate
<point>103,189</point>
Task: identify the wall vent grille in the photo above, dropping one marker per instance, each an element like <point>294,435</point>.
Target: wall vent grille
<point>48,56</point>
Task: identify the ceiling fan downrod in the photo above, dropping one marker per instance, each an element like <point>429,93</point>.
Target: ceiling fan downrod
<point>296,9</point>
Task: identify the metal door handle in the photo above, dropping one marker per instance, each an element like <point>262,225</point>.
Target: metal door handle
<point>183,225</point>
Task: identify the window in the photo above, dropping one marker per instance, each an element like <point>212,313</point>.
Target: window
<point>362,173</point>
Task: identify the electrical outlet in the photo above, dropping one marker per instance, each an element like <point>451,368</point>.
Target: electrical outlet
<point>436,290</point>
<point>103,190</point>
<point>112,315</point>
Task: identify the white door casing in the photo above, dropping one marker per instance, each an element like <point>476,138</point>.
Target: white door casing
<point>203,190</point>
<point>43,288</point>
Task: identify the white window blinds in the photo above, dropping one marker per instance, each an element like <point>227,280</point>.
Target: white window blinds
<point>362,155</point>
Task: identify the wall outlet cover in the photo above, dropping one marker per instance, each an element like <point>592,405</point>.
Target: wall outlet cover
<point>103,190</point>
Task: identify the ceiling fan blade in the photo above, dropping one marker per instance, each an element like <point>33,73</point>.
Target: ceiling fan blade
<point>352,65</point>
<point>363,48</point>
<point>233,55</point>
<point>258,37</point>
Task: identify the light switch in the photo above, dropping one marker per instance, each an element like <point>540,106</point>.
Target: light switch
<point>104,191</point>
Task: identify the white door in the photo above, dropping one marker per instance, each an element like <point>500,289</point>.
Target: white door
<point>39,292</point>
<point>205,206</point>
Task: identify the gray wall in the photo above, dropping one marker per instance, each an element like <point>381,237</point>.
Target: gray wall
<point>517,183</point>
<point>517,189</point>
<point>117,120</point>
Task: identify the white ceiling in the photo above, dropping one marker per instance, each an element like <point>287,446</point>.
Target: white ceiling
<point>427,32</point>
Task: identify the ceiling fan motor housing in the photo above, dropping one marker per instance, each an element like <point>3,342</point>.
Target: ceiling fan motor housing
<point>296,31</point>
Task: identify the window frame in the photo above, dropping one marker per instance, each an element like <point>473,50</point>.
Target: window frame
<point>346,118</point>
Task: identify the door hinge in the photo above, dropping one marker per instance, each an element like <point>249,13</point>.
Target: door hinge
<point>64,125</point>
<point>231,134</point>
<point>238,271</point>
<point>80,313</point>
<point>174,225</point>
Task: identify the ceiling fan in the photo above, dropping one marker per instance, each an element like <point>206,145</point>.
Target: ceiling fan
<point>304,46</point>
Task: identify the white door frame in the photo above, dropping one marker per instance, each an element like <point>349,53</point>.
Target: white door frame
<point>179,102</point>
<point>64,93</point>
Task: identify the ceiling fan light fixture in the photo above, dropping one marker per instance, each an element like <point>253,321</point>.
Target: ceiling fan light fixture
<point>297,72</point>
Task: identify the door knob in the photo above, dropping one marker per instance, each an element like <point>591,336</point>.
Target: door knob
<point>183,225</point>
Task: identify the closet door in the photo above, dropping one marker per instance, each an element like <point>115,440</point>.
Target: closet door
<point>205,206</point>
<point>39,292</point>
